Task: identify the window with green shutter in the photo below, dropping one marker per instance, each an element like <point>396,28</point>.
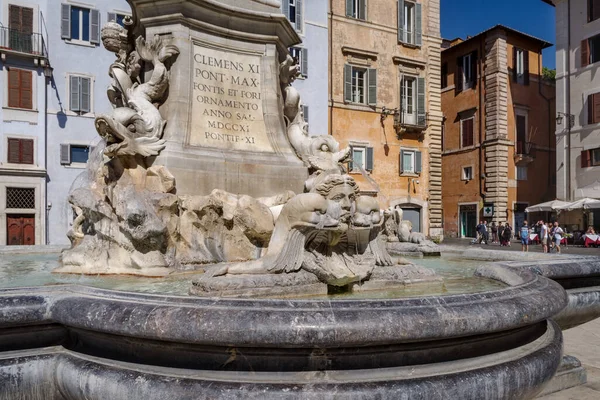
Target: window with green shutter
<point>360,85</point>
<point>80,24</point>
<point>294,12</point>
<point>80,94</point>
<point>356,9</point>
<point>410,23</point>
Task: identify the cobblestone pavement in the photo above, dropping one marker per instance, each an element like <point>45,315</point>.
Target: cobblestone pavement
<point>516,246</point>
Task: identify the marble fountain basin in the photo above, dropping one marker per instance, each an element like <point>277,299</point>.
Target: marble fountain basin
<point>69,341</point>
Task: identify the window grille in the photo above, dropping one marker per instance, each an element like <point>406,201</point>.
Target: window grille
<point>20,198</point>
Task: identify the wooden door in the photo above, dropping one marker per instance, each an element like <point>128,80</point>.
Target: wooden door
<point>20,230</point>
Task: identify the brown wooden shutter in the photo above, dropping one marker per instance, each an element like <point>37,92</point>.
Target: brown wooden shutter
<point>14,151</point>
<point>526,67</point>
<point>590,105</point>
<point>474,69</point>
<point>26,100</point>
<point>458,75</point>
<point>596,103</point>
<point>13,88</point>
<point>444,75</point>
<point>467,132</point>
<point>27,151</point>
<point>27,20</point>
<point>586,158</point>
<point>14,17</point>
<point>585,52</point>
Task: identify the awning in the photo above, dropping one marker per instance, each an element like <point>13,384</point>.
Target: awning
<point>547,206</point>
<point>580,204</point>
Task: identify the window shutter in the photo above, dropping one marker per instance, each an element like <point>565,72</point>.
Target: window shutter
<point>74,86</point>
<point>421,111</point>
<point>111,17</point>
<point>304,66</point>
<point>14,17</point>
<point>305,112</point>
<point>348,83</point>
<point>590,108</point>
<point>95,26</point>
<point>350,8</point>
<point>65,154</point>
<point>585,52</point>
<point>401,162</point>
<point>26,90</point>
<point>85,94</point>
<point>14,151</point>
<point>369,159</point>
<point>14,88</point>
<point>65,21</point>
<point>299,15</point>
<point>26,20</point>
<point>372,77</point>
<point>458,75</point>
<point>401,21</point>
<point>596,100</point>
<point>27,151</point>
<point>418,162</point>
<point>444,75</point>
<point>586,159</point>
<point>474,69</point>
<point>285,8</point>
<point>418,25</point>
<point>526,67</point>
<point>514,71</point>
<point>351,163</point>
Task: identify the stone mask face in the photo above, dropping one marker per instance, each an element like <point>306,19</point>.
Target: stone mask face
<point>344,195</point>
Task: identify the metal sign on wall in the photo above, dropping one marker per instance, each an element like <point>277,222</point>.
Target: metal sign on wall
<point>488,210</point>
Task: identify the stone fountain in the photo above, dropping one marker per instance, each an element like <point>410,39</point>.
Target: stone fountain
<point>202,98</point>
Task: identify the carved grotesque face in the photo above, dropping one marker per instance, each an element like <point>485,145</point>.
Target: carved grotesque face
<point>345,196</point>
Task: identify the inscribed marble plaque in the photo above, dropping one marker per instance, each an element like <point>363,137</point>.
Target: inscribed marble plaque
<point>227,104</point>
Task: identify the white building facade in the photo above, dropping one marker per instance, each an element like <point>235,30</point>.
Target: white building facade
<point>577,98</point>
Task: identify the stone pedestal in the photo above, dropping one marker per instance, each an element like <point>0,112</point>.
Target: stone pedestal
<point>224,110</point>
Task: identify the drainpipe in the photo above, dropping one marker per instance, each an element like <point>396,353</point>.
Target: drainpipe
<point>550,116</point>
<point>568,90</point>
<point>481,127</point>
<point>330,67</point>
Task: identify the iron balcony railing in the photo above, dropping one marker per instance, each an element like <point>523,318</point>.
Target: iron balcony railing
<point>418,121</point>
<point>525,149</point>
<point>28,43</point>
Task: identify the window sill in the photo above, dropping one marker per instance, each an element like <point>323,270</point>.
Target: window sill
<point>75,165</point>
<point>357,172</point>
<point>70,113</point>
<point>410,174</point>
<point>80,43</point>
<point>410,45</point>
<point>466,180</point>
<point>20,115</point>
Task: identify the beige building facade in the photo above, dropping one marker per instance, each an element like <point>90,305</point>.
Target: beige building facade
<point>385,102</point>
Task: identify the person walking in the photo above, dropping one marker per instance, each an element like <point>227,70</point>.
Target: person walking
<point>480,231</point>
<point>544,236</point>
<point>524,232</point>
<point>558,236</point>
<point>494,233</point>
<point>486,234</point>
<point>507,234</point>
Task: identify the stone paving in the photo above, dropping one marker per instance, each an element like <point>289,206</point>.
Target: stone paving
<point>516,246</point>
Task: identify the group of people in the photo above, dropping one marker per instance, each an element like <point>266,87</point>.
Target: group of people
<point>550,235</point>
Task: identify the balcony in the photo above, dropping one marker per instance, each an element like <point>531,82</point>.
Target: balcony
<point>14,42</point>
<point>407,122</point>
<point>524,153</point>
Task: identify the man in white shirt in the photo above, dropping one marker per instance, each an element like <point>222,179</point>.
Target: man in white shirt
<point>558,235</point>
<point>544,235</point>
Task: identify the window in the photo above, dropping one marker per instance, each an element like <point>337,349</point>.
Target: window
<point>300,54</point>
<point>74,154</point>
<point>293,11</point>
<point>20,151</point>
<point>590,50</point>
<point>408,96</point>
<point>412,97</point>
<point>20,198</point>
<point>80,24</point>
<point>20,88</point>
<point>356,9</point>
<point>444,75</point>
<point>466,132</point>
<point>362,158</point>
<point>467,173</point>
<point>521,127</point>
<point>360,85</point>
<point>20,24</point>
<point>522,173</point>
<point>410,162</point>
<point>305,115</point>
<point>116,17</point>
<point>409,22</point>
<point>466,72</point>
<point>80,96</point>
<point>590,158</point>
<point>520,66</point>
<point>593,108</point>
<point>593,10</point>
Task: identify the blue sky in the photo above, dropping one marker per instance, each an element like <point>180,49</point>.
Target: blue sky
<point>470,17</point>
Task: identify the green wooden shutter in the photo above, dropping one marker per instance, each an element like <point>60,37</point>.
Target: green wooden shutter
<point>65,154</point>
<point>305,113</point>
<point>421,109</point>
<point>299,15</point>
<point>95,26</point>
<point>474,69</point>
<point>350,8</point>
<point>304,66</point>
<point>348,83</point>
<point>401,21</point>
<point>285,8</point>
<point>372,79</point>
<point>65,21</point>
<point>418,162</point>
<point>74,90</point>
<point>526,67</point>
<point>369,159</point>
<point>85,94</point>
<point>418,25</point>
<point>458,75</point>
<point>515,58</point>
<point>401,162</point>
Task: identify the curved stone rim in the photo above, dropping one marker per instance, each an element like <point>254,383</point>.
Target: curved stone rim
<point>527,367</point>
<point>288,323</point>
